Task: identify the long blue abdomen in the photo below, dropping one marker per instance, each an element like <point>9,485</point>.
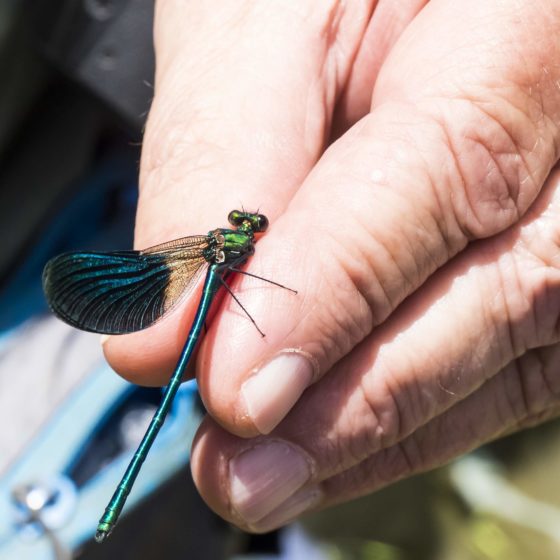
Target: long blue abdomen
<point>114,508</point>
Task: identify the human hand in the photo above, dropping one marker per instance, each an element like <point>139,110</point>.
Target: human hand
<point>424,243</point>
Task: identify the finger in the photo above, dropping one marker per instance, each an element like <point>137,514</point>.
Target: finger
<point>524,394</point>
<point>242,107</point>
<point>427,172</point>
<point>388,22</point>
<point>487,414</point>
<point>493,304</point>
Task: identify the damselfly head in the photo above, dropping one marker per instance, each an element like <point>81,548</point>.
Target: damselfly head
<point>248,221</point>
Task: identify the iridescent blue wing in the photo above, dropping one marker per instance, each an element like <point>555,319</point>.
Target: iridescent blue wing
<point>122,291</point>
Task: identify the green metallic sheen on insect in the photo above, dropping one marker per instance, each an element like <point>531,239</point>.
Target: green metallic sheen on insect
<point>125,291</point>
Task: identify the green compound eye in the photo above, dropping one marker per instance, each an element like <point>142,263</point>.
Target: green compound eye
<point>261,222</point>
<point>235,217</point>
<point>256,222</point>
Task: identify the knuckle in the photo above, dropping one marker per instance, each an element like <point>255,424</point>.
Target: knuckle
<point>388,417</point>
<point>530,387</point>
<point>493,176</point>
<point>530,284</point>
<point>343,316</point>
<point>368,273</point>
<point>370,424</point>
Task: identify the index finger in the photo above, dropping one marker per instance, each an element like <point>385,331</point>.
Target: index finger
<point>244,96</point>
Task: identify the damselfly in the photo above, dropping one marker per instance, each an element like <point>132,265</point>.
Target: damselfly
<point>126,291</point>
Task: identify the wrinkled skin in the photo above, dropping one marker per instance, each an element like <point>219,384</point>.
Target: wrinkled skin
<point>404,153</point>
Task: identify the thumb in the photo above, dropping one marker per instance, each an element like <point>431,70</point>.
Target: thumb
<point>427,171</point>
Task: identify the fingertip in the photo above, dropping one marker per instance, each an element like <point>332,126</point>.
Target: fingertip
<point>258,400</point>
<point>148,357</point>
<point>273,389</point>
<point>257,484</point>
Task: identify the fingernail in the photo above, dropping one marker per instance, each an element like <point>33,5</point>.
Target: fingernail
<point>272,391</point>
<point>264,477</point>
<point>104,338</point>
<point>294,506</point>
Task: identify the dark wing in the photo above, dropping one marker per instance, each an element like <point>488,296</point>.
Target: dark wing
<point>123,291</point>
